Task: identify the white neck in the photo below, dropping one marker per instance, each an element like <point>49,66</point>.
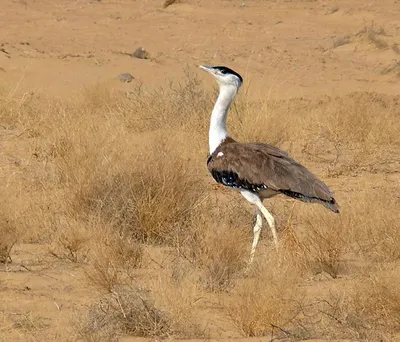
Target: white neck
<point>217,132</point>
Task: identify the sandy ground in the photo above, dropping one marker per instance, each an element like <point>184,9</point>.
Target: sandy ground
<point>287,47</point>
<point>284,49</point>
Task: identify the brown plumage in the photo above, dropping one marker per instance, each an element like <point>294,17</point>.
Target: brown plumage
<point>268,171</point>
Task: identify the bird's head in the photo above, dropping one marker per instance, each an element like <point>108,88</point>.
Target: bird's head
<point>224,76</point>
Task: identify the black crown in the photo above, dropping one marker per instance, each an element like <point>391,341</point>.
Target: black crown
<point>224,70</point>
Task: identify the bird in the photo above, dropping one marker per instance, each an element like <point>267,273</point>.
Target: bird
<point>257,170</point>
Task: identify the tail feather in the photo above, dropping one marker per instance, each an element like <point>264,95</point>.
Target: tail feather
<point>331,204</point>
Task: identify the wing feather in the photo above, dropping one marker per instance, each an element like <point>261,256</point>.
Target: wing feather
<point>262,166</point>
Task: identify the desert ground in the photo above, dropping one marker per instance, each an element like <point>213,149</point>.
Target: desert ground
<point>111,227</point>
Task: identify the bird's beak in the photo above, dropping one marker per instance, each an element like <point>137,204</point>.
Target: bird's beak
<point>207,68</point>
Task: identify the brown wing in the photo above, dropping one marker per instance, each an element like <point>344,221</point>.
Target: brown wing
<point>258,167</point>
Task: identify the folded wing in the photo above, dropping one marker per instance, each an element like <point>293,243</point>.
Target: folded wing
<point>261,167</point>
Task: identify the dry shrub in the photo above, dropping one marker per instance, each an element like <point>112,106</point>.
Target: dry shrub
<point>218,243</point>
<point>374,227</point>
<point>267,303</point>
<point>9,236</point>
<point>270,122</point>
<point>222,256</point>
<point>181,299</point>
<point>28,322</point>
<point>105,272</point>
<point>325,244</point>
<point>366,230</point>
<point>142,184</point>
<point>113,261</point>
<point>378,305</point>
<point>340,41</point>
<point>125,312</point>
<point>368,311</point>
<point>373,35</point>
<point>354,133</point>
<point>164,309</point>
<point>369,34</point>
<point>148,201</point>
<point>188,106</point>
<point>20,112</point>
<point>71,242</point>
<point>393,68</point>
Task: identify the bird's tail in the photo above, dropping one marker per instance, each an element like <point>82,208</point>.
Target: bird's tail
<point>332,205</point>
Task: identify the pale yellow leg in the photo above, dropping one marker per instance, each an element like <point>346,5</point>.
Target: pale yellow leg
<point>256,236</point>
<point>270,219</point>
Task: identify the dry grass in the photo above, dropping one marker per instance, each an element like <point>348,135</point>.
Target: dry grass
<point>131,311</point>
<point>113,264</point>
<point>369,34</point>
<point>215,245</point>
<point>8,240</point>
<point>325,245</point>
<point>71,243</point>
<point>148,201</point>
<point>9,234</point>
<point>393,68</point>
<point>376,234</point>
<point>369,311</point>
<point>267,303</point>
<point>125,313</point>
<point>116,188</point>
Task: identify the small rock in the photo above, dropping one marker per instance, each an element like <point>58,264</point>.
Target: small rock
<point>141,53</point>
<point>125,77</point>
<point>168,3</point>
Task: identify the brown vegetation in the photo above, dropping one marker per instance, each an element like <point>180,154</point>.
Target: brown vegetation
<point>120,190</point>
<point>112,229</point>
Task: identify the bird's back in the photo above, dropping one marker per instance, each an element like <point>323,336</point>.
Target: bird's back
<point>265,169</point>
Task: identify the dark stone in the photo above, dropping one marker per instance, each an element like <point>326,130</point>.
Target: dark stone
<point>125,77</point>
<point>141,53</point>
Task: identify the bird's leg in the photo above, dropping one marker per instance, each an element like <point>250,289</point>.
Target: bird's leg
<point>270,219</point>
<point>256,232</point>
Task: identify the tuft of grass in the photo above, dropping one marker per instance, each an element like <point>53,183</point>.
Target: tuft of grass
<point>217,244</point>
<point>393,68</point>
<point>368,311</point>
<point>145,109</point>
<point>267,303</point>
<point>9,237</point>
<point>112,262</point>
<point>325,244</point>
<point>373,35</point>
<point>148,201</point>
<point>377,234</point>
<point>20,112</point>
<point>370,34</point>
<point>222,257</point>
<point>340,41</point>
<point>71,243</point>
<point>27,322</point>
<point>164,309</point>
<point>125,312</point>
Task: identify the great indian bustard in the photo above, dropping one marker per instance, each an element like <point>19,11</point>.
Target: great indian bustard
<point>258,171</point>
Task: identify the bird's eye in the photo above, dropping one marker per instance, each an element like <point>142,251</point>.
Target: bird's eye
<point>223,72</point>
